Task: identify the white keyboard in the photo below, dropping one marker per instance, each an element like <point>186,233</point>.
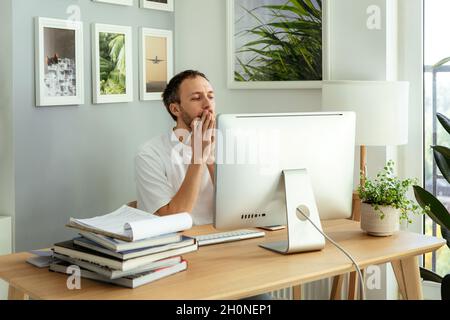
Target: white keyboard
<point>228,236</point>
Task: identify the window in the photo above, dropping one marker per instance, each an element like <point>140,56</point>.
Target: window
<point>437,99</point>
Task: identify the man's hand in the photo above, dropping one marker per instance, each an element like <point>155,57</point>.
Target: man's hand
<point>202,139</point>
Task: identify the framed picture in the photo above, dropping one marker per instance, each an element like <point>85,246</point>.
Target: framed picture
<point>156,56</point>
<point>166,5</point>
<point>59,62</point>
<point>112,63</point>
<point>277,44</point>
<point>119,2</point>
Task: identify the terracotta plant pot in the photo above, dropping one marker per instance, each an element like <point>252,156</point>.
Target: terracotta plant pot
<point>372,223</point>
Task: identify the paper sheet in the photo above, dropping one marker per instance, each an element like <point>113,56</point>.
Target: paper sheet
<point>142,229</point>
<point>137,224</point>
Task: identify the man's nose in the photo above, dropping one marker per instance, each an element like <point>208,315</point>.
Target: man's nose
<point>207,104</point>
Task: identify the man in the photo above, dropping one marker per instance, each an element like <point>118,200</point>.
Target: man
<point>171,179</point>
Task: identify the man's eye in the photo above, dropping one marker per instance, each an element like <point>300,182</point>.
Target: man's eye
<point>196,98</point>
<point>211,97</point>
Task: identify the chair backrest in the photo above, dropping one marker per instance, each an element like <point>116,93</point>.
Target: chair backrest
<point>132,204</point>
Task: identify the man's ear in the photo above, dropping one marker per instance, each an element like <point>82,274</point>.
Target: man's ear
<point>175,109</point>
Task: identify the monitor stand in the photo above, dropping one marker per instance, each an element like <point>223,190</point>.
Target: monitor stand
<point>302,235</point>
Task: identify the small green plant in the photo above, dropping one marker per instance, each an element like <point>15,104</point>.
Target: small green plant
<point>388,190</point>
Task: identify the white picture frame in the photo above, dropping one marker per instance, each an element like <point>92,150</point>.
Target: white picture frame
<point>100,94</point>
<point>118,2</point>
<point>316,84</point>
<point>155,5</point>
<point>59,62</point>
<point>156,62</point>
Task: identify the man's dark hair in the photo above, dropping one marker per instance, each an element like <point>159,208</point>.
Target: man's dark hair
<point>172,92</point>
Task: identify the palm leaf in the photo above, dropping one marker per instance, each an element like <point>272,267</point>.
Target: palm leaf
<point>297,10</point>
<point>116,45</point>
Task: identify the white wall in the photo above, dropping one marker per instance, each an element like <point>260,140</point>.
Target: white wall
<point>357,53</point>
<point>6,112</point>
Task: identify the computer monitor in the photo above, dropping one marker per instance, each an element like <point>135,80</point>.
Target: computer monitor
<point>267,160</point>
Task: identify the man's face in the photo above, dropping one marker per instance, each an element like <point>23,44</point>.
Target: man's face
<point>196,96</point>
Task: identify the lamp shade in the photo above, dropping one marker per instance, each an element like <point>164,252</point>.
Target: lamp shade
<point>381,109</point>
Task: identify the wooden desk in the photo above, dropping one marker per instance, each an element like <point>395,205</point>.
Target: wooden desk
<point>240,269</point>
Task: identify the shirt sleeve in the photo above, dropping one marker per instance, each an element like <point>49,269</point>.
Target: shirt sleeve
<point>154,190</point>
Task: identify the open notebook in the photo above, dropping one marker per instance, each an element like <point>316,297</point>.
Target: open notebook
<point>130,224</point>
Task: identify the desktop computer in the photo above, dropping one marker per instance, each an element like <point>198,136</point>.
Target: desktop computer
<point>291,169</point>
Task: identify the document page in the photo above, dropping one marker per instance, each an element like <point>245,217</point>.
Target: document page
<point>137,224</point>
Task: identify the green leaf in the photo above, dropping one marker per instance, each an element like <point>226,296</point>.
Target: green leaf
<point>445,122</point>
<point>442,157</point>
<point>437,212</point>
<point>430,275</point>
<point>299,11</point>
<point>446,235</point>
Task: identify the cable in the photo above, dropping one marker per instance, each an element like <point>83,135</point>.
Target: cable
<point>361,280</point>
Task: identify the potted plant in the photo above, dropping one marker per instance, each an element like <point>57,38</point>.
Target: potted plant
<point>384,202</point>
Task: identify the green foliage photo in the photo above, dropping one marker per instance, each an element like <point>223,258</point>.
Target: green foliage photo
<point>388,190</point>
<point>112,63</point>
<point>287,47</point>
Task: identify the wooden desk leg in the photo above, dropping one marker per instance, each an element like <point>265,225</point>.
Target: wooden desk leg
<point>352,286</point>
<point>297,292</point>
<point>396,266</point>
<point>336,289</point>
<point>16,294</point>
<point>408,278</point>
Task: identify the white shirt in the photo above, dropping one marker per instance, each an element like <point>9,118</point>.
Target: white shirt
<point>160,171</point>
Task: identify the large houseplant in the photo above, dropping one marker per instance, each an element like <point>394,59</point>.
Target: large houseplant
<point>435,209</point>
<point>384,202</point>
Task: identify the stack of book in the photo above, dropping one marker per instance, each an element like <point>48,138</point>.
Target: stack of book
<point>128,247</point>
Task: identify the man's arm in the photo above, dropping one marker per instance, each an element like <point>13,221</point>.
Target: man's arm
<point>186,197</point>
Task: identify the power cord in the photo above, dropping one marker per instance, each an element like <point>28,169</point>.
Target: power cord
<point>361,280</point>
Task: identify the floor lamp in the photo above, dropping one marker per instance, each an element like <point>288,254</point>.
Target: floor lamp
<point>381,109</point>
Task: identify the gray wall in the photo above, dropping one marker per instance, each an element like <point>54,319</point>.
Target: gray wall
<point>6,114</point>
<point>75,160</point>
